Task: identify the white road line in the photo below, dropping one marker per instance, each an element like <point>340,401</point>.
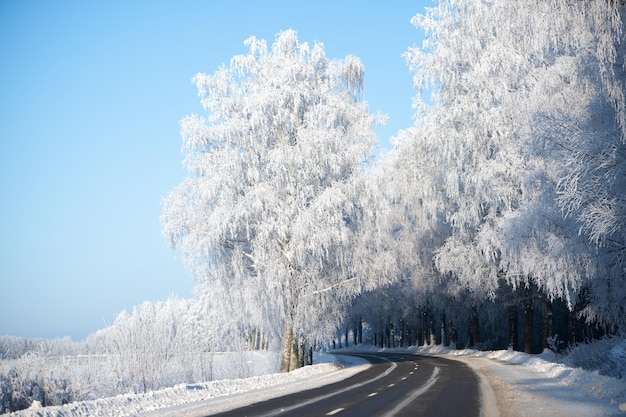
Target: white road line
<point>373,394</point>
<point>391,385</point>
<point>335,411</point>
<point>332,394</point>
<point>431,381</point>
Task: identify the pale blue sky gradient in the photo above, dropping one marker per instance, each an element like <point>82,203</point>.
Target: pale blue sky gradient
<point>90,98</point>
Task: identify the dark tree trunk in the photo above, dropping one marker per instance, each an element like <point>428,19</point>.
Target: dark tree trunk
<point>548,324</point>
<point>406,333</point>
<point>474,328</point>
<point>513,328</point>
<point>453,335</point>
<point>443,330</point>
<point>528,327</point>
<point>424,331</point>
<point>432,332</point>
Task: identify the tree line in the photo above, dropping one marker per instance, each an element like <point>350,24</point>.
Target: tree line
<point>505,199</point>
<point>155,345</point>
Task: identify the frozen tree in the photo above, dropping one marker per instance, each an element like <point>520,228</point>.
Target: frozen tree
<point>265,218</point>
<point>568,231</point>
<point>527,134</point>
<point>465,140</point>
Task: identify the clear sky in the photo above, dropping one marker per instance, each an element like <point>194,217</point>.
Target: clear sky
<point>90,98</point>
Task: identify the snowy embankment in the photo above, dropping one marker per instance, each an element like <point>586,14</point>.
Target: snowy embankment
<point>512,384</point>
<point>516,384</point>
<point>210,397</point>
<point>541,385</point>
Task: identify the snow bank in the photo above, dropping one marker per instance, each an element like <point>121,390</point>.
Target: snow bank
<point>523,385</point>
<point>607,355</point>
<point>205,398</point>
<point>570,390</point>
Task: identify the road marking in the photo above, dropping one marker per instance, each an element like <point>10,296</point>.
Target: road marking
<point>335,411</point>
<point>332,394</point>
<point>391,385</point>
<point>373,394</point>
<point>431,381</point>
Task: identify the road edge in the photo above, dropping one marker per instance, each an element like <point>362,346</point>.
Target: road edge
<point>488,400</point>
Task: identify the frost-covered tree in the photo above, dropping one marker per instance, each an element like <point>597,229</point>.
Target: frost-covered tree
<point>527,133</point>
<point>465,140</point>
<point>265,218</point>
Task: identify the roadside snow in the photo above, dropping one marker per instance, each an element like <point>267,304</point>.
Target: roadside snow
<point>191,400</point>
<point>536,385</point>
<point>512,384</point>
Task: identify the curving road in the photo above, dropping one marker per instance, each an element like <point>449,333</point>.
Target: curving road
<point>397,384</point>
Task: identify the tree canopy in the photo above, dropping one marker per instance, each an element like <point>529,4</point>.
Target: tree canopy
<point>267,216</point>
<point>508,189</point>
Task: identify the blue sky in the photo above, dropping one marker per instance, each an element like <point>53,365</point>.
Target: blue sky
<point>90,98</point>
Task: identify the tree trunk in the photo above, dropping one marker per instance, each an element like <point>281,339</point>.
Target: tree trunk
<point>528,327</point>
<point>432,332</point>
<point>387,331</point>
<point>407,332</point>
<point>474,327</point>
<point>294,362</point>
<point>453,336</point>
<point>285,354</point>
<point>255,339</point>
<point>443,330</point>
<point>513,328</point>
<point>360,330</point>
<point>425,328</point>
<point>548,324</point>
<point>303,355</point>
<point>289,351</point>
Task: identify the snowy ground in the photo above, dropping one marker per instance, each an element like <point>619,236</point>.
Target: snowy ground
<point>515,384</point>
<point>512,384</point>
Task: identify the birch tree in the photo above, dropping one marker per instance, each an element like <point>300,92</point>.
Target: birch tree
<point>527,131</point>
<point>264,218</point>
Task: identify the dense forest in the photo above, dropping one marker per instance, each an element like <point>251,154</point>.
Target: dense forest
<point>498,220</point>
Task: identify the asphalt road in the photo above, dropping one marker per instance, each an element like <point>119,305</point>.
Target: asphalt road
<point>395,385</point>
